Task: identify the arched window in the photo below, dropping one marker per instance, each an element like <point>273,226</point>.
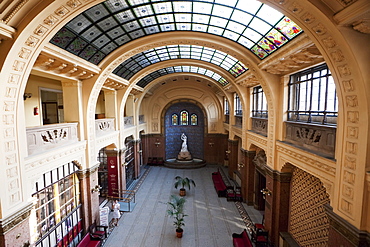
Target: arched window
<point>174,119</point>
<point>194,119</point>
<point>184,118</point>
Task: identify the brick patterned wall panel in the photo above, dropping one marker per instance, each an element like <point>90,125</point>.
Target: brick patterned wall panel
<point>309,224</point>
<point>195,134</point>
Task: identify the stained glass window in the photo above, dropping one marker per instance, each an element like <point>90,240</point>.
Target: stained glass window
<point>174,119</point>
<point>184,118</point>
<point>194,119</point>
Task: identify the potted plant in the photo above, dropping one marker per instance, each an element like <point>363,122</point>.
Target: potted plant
<point>176,211</point>
<point>183,182</point>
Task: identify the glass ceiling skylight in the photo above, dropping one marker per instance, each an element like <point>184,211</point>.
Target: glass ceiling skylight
<point>139,61</point>
<point>177,69</point>
<point>103,28</point>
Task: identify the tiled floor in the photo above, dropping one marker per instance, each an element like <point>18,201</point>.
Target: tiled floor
<point>210,222</point>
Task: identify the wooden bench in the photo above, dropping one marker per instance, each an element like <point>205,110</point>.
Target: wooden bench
<point>242,239</point>
<point>219,184</point>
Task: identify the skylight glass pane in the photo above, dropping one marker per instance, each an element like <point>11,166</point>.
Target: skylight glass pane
<point>259,52</point>
<point>116,32</point>
<point>200,28</point>
<point>103,40</point>
<point>97,12</point>
<point>215,30</point>
<point>143,11</point>
<point>241,17</point>
<point>245,42</point>
<point>252,35</point>
<point>165,18</point>
<point>269,14</point>
<point>183,26</point>
<point>137,34</point>
<point>152,29</point>
<point>236,27</point>
<point>131,26</point>
<point>136,2</point>
<point>115,5</point>
<point>79,24</point>
<point>91,34</point>
<point>183,17</point>
<point>182,7</point>
<point>260,25</point>
<point>276,38</point>
<point>160,8</point>
<point>125,16</point>
<point>228,2</point>
<point>250,6</point>
<point>222,11</point>
<point>231,35</point>
<point>204,19</point>
<point>148,21</point>
<point>203,8</point>
<point>216,21</point>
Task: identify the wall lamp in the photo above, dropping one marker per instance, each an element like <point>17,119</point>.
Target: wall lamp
<point>27,96</point>
<point>241,165</point>
<point>157,143</point>
<point>211,144</point>
<point>228,151</point>
<point>97,188</point>
<point>265,192</point>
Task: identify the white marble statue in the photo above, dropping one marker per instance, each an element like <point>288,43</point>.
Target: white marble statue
<point>184,147</point>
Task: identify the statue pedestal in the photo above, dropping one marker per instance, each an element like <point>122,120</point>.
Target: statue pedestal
<point>184,156</point>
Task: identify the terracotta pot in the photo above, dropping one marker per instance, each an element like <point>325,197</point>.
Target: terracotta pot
<point>182,192</point>
<point>179,232</point>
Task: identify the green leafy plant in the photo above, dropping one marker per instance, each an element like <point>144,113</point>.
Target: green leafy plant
<point>176,211</point>
<point>184,182</point>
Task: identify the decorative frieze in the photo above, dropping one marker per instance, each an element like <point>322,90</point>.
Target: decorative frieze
<point>316,138</point>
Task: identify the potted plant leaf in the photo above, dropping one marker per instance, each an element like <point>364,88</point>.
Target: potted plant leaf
<point>183,182</point>
<point>176,211</point>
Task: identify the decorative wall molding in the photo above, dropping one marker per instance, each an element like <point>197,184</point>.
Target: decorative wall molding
<point>307,158</point>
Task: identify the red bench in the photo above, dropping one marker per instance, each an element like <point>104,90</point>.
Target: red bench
<point>219,184</point>
<point>94,237</point>
<point>88,241</point>
<point>241,240</point>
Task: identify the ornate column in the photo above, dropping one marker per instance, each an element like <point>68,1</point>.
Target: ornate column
<point>277,203</point>
<point>233,156</point>
<point>247,170</point>
<point>137,155</point>
<point>89,198</point>
<point>111,109</point>
<point>72,104</point>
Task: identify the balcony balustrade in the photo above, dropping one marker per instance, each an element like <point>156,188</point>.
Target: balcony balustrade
<point>104,126</point>
<point>46,137</point>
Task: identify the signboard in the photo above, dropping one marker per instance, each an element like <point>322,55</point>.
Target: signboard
<point>104,216</point>
<point>112,176</point>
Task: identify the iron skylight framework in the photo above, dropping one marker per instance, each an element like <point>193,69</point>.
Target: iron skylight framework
<point>103,28</point>
<point>139,61</point>
<point>177,69</point>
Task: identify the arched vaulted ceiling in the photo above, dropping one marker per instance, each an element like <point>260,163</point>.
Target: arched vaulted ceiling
<point>100,30</point>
